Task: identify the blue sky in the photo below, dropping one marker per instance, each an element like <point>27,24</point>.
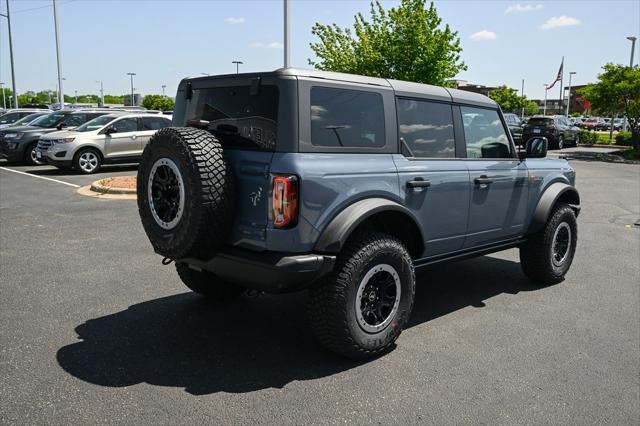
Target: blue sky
<point>165,40</point>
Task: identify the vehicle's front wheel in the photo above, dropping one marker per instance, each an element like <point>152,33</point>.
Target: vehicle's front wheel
<point>207,283</point>
<point>87,161</point>
<point>360,309</point>
<point>547,255</point>
<point>30,155</point>
<point>560,143</point>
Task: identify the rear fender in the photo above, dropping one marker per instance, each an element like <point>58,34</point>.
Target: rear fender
<point>334,236</point>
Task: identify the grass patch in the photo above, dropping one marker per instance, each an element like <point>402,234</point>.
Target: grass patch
<point>630,154</point>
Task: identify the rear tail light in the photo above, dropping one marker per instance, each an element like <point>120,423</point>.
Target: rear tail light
<point>285,201</point>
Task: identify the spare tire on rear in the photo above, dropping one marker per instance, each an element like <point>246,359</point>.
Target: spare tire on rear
<point>185,193</point>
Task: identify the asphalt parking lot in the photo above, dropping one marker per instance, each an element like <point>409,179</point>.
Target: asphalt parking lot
<point>95,330</point>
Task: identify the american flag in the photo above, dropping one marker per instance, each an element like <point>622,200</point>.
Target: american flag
<point>558,77</point>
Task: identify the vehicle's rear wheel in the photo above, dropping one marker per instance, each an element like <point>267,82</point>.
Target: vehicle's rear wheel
<point>360,309</point>
<point>87,161</point>
<point>185,193</point>
<point>547,255</point>
<point>207,283</point>
<point>30,154</point>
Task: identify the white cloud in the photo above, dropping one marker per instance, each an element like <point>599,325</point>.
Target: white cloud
<point>483,35</point>
<point>261,45</point>
<point>523,8</point>
<point>234,21</point>
<point>559,21</point>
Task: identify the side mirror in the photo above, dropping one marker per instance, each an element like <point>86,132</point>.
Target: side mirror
<point>61,126</point>
<point>110,130</point>
<point>536,147</point>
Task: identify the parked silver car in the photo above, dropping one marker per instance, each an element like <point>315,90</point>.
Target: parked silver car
<point>10,116</point>
<point>111,138</point>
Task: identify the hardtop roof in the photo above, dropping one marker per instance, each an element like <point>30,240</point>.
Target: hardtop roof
<point>402,88</point>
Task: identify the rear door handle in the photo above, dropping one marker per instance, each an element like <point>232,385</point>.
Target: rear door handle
<point>483,180</point>
<point>418,183</point>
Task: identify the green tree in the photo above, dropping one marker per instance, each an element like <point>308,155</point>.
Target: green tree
<point>510,101</point>
<point>404,43</point>
<point>8,97</point>
<point>114,99</point>
<point>530,107</point>
<point>618,90</point>
<point>160,102</point>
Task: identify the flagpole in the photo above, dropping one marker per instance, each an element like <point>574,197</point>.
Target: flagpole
<point>544,111</point>
<point>561,86</point>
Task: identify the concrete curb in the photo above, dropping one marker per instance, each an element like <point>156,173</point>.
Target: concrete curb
<point>98,187</point>
<point>87,191</point>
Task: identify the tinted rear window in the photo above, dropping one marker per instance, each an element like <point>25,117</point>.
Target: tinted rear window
<point>237,117</point>
<point>154,123</point>
<point>346,118</point>
<point>540,121</point>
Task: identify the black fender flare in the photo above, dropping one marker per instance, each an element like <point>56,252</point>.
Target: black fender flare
<point>336,233</point>
<point>548,200</point>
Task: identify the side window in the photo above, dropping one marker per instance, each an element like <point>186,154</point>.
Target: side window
<point>74,120</point>
<point>125,125</point>
<point>484,133</point>
<point>346,118</point>
<point>154,123</point>
<point>426,128</point>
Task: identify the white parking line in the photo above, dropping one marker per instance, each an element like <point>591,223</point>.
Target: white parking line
<point>40,177</point>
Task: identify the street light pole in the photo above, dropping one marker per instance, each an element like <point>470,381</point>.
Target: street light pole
<point>238,63</point>
<point>287,44</point>
<point>632,39</point>
<point>522,96</point>
<point>544,110</point>
<point>55,21</point>
<point>569,95</point>
<point>101,92</point>
<point>132,95</point>
<point>13,71</point>
<point>76,93</point>
<point>163,86</point>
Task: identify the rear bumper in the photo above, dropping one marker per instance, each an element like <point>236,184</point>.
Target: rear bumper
<point>269,272</point>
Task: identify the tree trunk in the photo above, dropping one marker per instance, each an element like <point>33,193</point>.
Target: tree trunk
<point>635,138</point>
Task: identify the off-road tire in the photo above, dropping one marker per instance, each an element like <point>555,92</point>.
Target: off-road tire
<point>332,302</point>
<point>536,253</point>
<point>208,193</point>
<point>208,284</point>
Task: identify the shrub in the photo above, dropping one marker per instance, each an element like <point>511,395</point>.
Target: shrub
<point>603,139</point>
<point>587,137</point>
<point>623,138</point>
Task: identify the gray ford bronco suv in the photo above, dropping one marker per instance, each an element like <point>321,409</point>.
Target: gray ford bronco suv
<point>343,185</point>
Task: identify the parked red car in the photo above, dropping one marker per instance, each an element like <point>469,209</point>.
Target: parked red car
<point>594,124</point>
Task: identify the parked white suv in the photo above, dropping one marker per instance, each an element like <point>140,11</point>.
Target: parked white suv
<point>111,138</point>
